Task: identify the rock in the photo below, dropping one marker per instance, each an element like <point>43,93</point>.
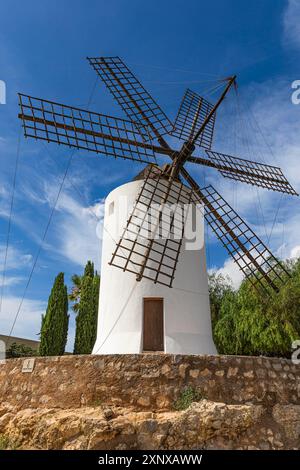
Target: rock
<point>182,370</point>
<point>144,401</point>
<point>93,428</point>
<point>288,416</point>
<point>205,373</point>
<point>194,373</point>
<point>220,373</point>
<point>108,413</point>
<point>165,369</point>
<point>162,402</point>
<point>264,446</point>
<point>260,373</point>
<point>272,374</point>
<point>4,420</point>
<point>232,371</point>
<point>249,375</point>
<point>152,375</point>
<point>99,364</point>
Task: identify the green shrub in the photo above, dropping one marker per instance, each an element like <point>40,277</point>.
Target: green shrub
<point>4,442</point>
<point>186,398</point>
<point>7,443</point>
<point>20,350</point>
<point>250,322</point>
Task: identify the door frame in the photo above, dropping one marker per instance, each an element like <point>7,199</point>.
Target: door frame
<point>163,321</point>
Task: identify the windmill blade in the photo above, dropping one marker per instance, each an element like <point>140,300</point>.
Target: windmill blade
<point>74,127</point>
<point>191,114</point>
<point>136,102</point>
<point>151,242</point>
<point>254,259</point>
<point>247,171</point>
<point>258,174</point>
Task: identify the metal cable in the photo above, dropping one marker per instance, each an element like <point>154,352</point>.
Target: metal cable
<point>268,237</point>
<point>48,225</point>
<point>10,218</point>
<point>41,244</point>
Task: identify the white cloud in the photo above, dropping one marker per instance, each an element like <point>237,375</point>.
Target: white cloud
<point>29,319</point>
<point>12,280</point>
<point>28,323</point>
<point>291,22</point>
<point>295,252</point>
<point>16,259</point>
<point>3,191</point>
<point>230,268</point>
<point>77,228</point>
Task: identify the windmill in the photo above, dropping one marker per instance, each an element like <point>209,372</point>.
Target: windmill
<point>154,260</point>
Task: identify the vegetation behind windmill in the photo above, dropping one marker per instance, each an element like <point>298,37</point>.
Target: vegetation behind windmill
<point>247,322</point>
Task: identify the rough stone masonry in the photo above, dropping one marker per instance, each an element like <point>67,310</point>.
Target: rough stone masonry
<point>127,402</point>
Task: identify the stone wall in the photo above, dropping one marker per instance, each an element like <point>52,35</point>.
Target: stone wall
<point>149,382</point>
<point>126,402</point>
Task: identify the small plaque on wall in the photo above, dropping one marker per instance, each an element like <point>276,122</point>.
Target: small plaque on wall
<point>28,365</point>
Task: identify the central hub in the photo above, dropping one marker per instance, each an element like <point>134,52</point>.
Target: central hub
<point>185,152</point>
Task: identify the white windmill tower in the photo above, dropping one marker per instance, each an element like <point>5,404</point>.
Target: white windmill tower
<point>158,300</point>
<point>144,316</point>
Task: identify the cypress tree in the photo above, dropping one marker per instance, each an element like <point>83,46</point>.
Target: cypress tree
<point>96,287</point>
<point>55,322</point>
<point>84,328</point>
<point>86,320</point>
<point>89,269</point>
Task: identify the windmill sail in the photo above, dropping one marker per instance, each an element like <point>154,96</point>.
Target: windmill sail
<point>136,102</point>
<point>191,115</point>
<point>254,259</point>
<point>246,171</point>
<point>151,242</point>
<point>74,127</point>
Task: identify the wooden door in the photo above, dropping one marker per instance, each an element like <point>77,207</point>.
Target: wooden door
<point>153,324</point>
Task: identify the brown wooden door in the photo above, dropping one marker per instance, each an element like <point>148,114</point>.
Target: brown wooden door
<point>153,333</point>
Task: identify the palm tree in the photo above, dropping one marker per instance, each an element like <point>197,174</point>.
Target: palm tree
<point>74,295</point>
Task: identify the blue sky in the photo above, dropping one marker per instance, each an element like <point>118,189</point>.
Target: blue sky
<point>170,45</point>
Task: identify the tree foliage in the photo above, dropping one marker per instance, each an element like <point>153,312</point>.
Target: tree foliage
<point>86,301</point>
<point>20,350</point>
<point>74,295</point>
<point>96,288</point>
<point>89,269</point>
<point>54,329</point>
<point>219,287</point>
<point>251,323</point>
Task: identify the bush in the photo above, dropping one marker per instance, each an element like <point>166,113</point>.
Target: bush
<point>219,286</point>
<point>252,323</point>
<point>20,350</point>
<point>4,442</point>
<point>186,398</point>
<point>7,443</point>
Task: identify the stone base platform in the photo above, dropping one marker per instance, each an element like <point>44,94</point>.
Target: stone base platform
<point>127,402</point>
